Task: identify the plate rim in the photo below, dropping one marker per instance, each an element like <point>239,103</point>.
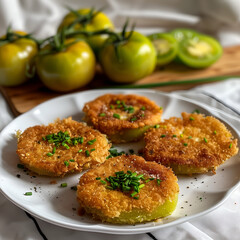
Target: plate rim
<point>123,231</point>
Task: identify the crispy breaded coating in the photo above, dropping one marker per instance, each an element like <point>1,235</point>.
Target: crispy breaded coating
<point>192,144</point>
<point>117,114</point>
<point>115,206</point>
<point>40,156</point>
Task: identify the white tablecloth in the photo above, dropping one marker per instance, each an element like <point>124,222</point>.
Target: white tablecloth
<point>222,223</point>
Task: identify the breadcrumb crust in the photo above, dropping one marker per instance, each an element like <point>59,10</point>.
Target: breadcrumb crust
<point>103,203</point>
<point>32,149</point>
<point>109,125</point>
<point>194,140</point>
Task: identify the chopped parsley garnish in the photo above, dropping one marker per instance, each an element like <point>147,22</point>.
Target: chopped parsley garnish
<point>114,153</point>
<point>126,182</point>
<point>118,102</point>
<point>87,153</point>
<point>71,160</point>
<point>190,137</point>
<point>91,142</point>
<point>102,114</point>
<point>196,111</point>
<point>191,118</point>
<point>185,144</point>
<point>28,193</point>
<point>20,166</point>
<point>158,181</point>
<point>93,149</point>
<point>215,132</point>
<point>66,163</point>
<point>131,151</point>
<point>205,140</point>
<point>157,126</point>
<point>74,188</point>
<point>230,146</point>
<point>63,185</point>
<point>62,139</point>
<point>115,115</point>
<point>174,136</point>
<point>143,108</point>
<point>163,135</point>
<point>133,119</point>
<point>80,150</point>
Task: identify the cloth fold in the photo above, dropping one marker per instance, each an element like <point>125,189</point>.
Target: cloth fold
<point>222,223</point>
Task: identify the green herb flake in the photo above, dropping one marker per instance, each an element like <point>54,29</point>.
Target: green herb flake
<point>111,106</point>
<point>66,163</point>
<point>181,135</point>
<point>80,150</point>
<point>102,114</point>
<point>87,153</point>
<point>185,144</point>
<point>196,111</point>
<point>163,136</point>
<point>190,137</point>
<point>118,102</point>
<point>115,115</point>
<point>157,126</point>
<point>174,136</point>
<point>143,108</point>
<point>133,119</point>
<point>98,178</point>
<point>103,182</point>
<point>20,166</point>
<point>93,149</point>
<point>74,188</point>
<point>28,193</point>
<point>215,132</point>
<point>71,160</point>
<point>159,181</point>
<point>230,146</point>
<point>91,142</point>
<point>63,185</point>
<point>54,150</point>
<point>131,151</point>
<point>49,154</point>
<point>205,140</point>
<point>191,118</point>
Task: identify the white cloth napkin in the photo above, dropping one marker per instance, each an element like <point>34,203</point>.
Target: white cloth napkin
<point>222,223</point>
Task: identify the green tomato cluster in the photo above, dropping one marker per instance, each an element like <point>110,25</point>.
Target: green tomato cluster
<point>85,37</point>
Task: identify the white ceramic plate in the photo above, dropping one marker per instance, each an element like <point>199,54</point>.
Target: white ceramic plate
<point>199,194</point>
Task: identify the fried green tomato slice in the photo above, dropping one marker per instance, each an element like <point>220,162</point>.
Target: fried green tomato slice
<point>192,144</point>
<point>157,196</point>
<point>62,147</point>
<point>123,118</point>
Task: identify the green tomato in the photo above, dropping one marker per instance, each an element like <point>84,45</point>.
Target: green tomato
<point>166,47</point>
<point>199,52</point>
<point>100,21</point>
<point>16,59</point>
<point>69,69</point>
<point>130,61</point>
<point>183,33</point>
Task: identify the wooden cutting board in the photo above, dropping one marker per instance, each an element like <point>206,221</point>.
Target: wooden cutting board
<point>32,93</point>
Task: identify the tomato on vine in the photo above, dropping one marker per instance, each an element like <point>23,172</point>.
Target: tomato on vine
<point>127,56</point>
<point>65,65</point>
<point>88,20</point>
<point>17,52</point>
